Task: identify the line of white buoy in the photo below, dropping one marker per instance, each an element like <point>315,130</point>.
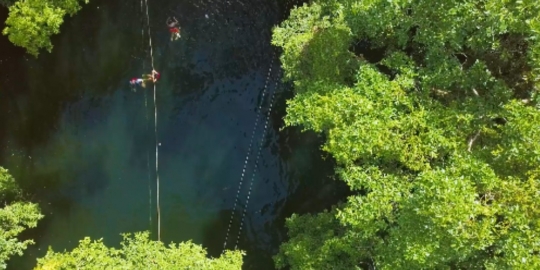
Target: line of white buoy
<point>265,87</point>
<point>261,143</point>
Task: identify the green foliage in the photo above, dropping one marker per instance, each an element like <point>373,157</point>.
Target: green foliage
<point>31,23</point>
<point>138,252</point>
<point>326,58</point>
<point>14,218</point>
<point>8,186</point>
<point>440,138</point>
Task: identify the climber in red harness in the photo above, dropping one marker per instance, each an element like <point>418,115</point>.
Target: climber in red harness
<point>174,28</point>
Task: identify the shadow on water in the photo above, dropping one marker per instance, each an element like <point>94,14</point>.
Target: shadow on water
<point>82,144</point>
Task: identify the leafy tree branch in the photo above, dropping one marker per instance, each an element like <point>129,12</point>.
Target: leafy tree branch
<point>31,23</point>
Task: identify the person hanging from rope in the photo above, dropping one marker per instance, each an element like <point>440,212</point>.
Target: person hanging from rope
<point>136,81</point>
<point>174,28</point>
<point>154,77</point>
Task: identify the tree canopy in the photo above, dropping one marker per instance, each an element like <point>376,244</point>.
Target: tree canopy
<point>138,252</point>
<point>431,111</point>
<point>31,23</point>
<point>15,217</point>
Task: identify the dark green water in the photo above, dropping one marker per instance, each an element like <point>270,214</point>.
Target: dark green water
<point>82,144</point>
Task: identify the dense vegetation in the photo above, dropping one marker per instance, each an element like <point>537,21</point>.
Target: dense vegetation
<point>138,252</point>
<point>439,135</point>
<point>31,23</point>
<point>16,215</point>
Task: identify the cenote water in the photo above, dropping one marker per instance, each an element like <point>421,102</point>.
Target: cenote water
<point>82,144</point>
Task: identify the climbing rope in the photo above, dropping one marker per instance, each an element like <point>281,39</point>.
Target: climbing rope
<point>155,126</point>
<point>261,143</point>
<point>240,183</point>
<point>147,129</point>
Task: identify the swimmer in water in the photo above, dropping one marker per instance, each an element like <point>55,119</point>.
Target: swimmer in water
<point>174,28</point>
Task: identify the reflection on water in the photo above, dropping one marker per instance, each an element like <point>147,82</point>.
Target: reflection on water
<point>82,143</point>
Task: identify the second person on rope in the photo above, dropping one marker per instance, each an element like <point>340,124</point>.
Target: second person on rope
<point>147,78</point>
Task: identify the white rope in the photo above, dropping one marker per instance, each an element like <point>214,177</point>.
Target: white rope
<point>147,151</point>
<point>155,126</point>
<point>247,156</point>
<point>149,35</point>
<point>256,162</point>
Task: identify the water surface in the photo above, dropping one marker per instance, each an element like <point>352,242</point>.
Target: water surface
<point>82,143</point>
